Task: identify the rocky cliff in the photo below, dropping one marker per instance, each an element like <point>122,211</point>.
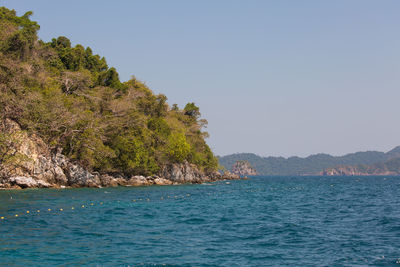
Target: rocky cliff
<point>243,168</point>
<point>26,161</point>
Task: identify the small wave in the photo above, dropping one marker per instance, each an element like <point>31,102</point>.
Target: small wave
<point>194,221</point>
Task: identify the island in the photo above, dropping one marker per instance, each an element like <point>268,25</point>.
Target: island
<point>243,168</point>
<point>68,121</point>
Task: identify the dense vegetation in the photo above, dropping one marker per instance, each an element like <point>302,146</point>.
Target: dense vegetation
<point>73,100</point>
<point>313,164</point>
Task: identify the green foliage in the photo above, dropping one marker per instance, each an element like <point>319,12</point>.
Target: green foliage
<point>91,151</point>
<point>160,129</point>
<point>78,58</point>
<point>70,98</point>
<point>61,42</point>
<point>192,110</point>
<point>20,39</point>
<point>178,149</point>
<point>110,78</point>
<point>133,156</point>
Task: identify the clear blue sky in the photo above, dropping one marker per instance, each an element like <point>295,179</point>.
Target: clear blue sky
<point>275,78</point>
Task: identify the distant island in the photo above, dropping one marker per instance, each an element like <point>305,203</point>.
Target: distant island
<point>360,163</point>
<point>389,167</point>
<point>243,168</point>
<point>67,120</point>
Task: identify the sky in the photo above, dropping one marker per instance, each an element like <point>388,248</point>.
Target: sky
<point>275,78</point>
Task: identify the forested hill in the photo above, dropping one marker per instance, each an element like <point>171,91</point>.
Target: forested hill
<point>389,167</point>
<point>313,164</point>
<point>72,100</point>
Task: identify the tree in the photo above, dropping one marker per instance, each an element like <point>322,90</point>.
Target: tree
<point>72,81</point>
<point>109,78</point>
<point>192,110</point>
<point>61,42</point>
<point>133,156</point>
<point>22,40</point>
<point>178,148</point>
<point>175,107</point>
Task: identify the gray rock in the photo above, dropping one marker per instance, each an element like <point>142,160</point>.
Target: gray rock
<point>59,175</point>
<point>28,182</point>
<point>162,181</point>
<point>80,177</point>
<point>243,168</point>
<point>138,181</point>
<point>183,173</point>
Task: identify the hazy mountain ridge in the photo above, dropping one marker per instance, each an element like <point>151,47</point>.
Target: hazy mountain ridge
<point>311,165</point>
<point>388,167</point>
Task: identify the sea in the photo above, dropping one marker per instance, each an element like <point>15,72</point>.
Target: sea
<point>263,221</point>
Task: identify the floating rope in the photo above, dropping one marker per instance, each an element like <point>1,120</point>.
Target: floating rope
<point>83,206</point>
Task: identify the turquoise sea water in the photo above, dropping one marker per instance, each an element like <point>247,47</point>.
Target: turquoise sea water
<point>265,221</point>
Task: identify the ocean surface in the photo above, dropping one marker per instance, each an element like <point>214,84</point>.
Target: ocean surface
<point>264,221</point>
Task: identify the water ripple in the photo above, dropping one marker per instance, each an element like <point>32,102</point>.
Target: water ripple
<point>273,221</point>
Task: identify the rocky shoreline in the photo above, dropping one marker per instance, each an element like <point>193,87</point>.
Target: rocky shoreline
<point>38,167</point>
<point>99,181</point>
<point>355,171</point>
<point>389,167</point>
<point>58,172</point>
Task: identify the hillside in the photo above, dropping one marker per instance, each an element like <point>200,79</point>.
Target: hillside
<point>311,165</point>
<point>69,98</point>
<point>389,167</point>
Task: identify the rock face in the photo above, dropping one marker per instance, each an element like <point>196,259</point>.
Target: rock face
<point>37,166</point>
<point>25,182</point>
<point>188,173</point>
<point>182,173</point>
<point>243,168</point>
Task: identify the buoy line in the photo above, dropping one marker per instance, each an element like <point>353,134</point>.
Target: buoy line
<point>84,206</point>
<point>39,211</point>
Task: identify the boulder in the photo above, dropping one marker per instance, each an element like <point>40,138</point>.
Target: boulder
<point>162,181</point>
<point>138,181</point>
<point>80,177</point>
<point>28,182</point>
